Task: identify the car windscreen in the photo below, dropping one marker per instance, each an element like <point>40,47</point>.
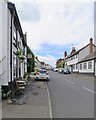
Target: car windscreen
<point>43,71</point>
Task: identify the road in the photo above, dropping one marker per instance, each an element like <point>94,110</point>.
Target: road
<point>72,96</point>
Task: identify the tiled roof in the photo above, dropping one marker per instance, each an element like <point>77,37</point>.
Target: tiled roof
<point>91,56</point>
<point>78,51</point>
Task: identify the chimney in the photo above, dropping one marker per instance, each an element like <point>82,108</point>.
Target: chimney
<point>91,45</point>
<point>65,53</point>
<point>73,50</point>
<point>36,57</point>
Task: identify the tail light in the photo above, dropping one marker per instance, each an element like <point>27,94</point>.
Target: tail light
<point>37,73</point>
<point>46,73</point>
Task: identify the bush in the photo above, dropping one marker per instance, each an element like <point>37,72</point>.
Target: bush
<point>25,75</point>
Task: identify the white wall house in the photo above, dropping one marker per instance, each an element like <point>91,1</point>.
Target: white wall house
<point>75,61</point>
<point>12,40</point>
<point>37,63</point>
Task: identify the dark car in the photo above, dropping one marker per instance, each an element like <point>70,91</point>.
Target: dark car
<point>66,71</point>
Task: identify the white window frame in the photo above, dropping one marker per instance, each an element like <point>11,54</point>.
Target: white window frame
<point>90,65</point>
<point>80,66</point>
<point>84,66</point>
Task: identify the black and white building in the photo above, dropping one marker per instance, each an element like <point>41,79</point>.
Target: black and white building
<point>82,60</point>
<point>12,40</point>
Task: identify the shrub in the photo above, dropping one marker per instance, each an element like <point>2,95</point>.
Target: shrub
<point>25,75</point>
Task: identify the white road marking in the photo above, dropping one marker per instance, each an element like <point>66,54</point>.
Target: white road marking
<point>70,81</point>
<point>50,107</point>
<point>89,90</point>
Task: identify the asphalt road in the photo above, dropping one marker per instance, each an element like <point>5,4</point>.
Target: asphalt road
<point>71,96</point>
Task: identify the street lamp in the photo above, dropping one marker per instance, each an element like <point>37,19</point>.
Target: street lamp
<point>29,56</point>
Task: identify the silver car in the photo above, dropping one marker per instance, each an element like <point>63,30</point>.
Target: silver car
<point>66,71</point>
<point>42,75</point>
<point>60,70</point>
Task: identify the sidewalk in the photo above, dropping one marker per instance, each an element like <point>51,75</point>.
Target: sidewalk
<point>33,104</point>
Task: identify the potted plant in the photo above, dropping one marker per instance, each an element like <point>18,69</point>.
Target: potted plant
<point>25,76</point>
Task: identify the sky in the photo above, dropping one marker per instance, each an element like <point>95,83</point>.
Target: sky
<point>54,26</point>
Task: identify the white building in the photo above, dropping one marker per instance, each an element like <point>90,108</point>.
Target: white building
<point>12,40</point>
<point>37,63</point>
<point>86,65</point>
<point>73,61</point>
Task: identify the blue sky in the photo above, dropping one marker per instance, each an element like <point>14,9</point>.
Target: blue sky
<point>54,26</point>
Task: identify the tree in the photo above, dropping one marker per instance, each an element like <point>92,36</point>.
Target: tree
<point>59,66</point>
<point>31,61</point>
<point>63,64</point>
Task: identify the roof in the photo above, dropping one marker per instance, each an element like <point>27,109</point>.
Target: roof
<point>91,56</point>
<point>75,53</point>
<point>17,24</point>
<point>60,59</point>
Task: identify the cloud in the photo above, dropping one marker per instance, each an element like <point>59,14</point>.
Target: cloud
<point>57,23</point>
<point>48,59</point>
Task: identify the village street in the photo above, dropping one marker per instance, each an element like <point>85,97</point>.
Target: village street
<point>70,96</point>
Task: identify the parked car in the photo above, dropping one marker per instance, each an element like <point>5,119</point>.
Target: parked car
<point>66,71</point>
<point>60,70</point>
<point>42,75</point>
<point>55,69</point>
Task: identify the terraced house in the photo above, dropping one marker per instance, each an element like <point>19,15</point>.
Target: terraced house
<point>14,46</point>
<point>82,60</point>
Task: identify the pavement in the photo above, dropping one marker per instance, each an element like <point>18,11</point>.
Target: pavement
<point>34,103</point>
<point>72,95</point>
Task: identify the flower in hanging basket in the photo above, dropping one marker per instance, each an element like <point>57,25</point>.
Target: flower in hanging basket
<point>21,58</point>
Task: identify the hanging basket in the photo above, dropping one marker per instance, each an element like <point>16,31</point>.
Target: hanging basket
<point>18,53</point>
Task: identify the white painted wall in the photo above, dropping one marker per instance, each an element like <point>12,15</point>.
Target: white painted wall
<point>87,70</point>
<point>0,46</point>
<point>71,62</point>
<point>4,43</point>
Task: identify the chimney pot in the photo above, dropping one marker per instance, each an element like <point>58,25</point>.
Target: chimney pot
<point>65,53</point>
<point>91,45</point>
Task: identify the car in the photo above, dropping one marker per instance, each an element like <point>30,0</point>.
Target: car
<point>42,75</point>
<point>55,69</point>
<point>60,70</point>
<point>66,71</point>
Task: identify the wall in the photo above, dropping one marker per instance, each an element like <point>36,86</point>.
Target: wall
<point>0,44</point>
<point>87,70</point>
<point>4,43</point>
<point>71,62</point>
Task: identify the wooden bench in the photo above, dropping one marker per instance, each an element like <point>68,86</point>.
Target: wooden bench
<point>20,86</point>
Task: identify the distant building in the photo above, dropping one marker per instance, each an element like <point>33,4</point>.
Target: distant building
<point>59,63</point>
<point>43,64</point>
<point>38,64</point>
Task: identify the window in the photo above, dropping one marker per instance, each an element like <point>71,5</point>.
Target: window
<point>76,66</point>
<point>80,66</point>
<point>14,64</point>
<point>89,65</point>
<point>76,56</point>
<point>14,34</point>
<point>85,66</point>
